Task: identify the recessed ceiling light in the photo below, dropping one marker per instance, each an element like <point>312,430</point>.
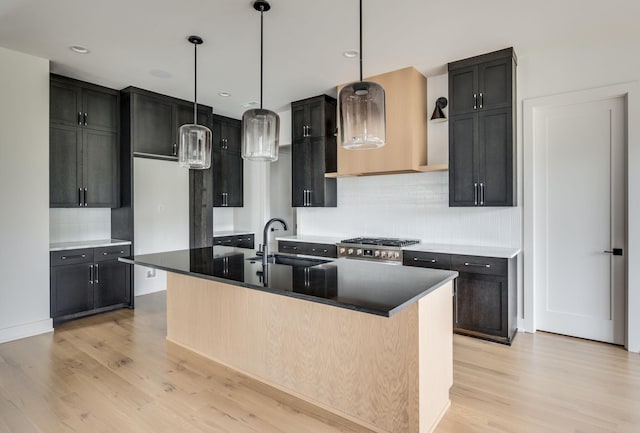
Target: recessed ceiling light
<point>79,49</point>
<point>224,94</point>
<point>160,73</point>
<point>350,54</point>
<point>250,104</point>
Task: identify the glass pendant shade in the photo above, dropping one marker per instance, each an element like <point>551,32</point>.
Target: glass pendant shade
<point>362,116</point>
<point>260,135</point>
<point>195,147</point>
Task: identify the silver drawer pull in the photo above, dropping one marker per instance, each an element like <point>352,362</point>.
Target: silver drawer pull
<point>112,252</point>
<point>416,259</point>
<point>481,265</point>
<point>82,256</point>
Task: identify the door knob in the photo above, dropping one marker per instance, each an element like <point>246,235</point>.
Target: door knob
<point>615,251</point>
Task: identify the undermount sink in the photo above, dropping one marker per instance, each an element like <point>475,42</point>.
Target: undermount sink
<point>290,261</point>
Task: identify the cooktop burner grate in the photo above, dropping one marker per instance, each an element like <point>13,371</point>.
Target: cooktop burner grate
<point>387,242</point>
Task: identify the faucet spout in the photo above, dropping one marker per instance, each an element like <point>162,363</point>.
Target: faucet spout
<point>265,238</point>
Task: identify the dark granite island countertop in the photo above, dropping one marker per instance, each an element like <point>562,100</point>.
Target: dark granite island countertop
<point>369,287</point>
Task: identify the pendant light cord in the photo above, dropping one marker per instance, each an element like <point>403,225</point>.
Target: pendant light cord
<point>360,40</point>
<point>195,84</point>
<point>261,49</point>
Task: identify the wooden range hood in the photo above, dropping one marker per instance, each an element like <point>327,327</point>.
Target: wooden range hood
<point>406,148</point>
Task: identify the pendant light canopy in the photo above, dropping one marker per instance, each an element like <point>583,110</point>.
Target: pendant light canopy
<point>195,140</point>
<point>362,111</point>
<point>260,127</point>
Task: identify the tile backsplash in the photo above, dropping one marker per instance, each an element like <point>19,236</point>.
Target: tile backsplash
<point>68,225</point>
<point>414,205</point>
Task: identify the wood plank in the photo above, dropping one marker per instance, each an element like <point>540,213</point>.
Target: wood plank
<point>542,383</point>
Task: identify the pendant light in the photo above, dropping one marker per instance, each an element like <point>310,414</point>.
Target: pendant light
<point>362,111</point>
<point>260,127</point>
<point>195,140</point>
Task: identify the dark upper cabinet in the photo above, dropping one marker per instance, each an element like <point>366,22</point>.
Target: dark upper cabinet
<point>227,163</point>
<point>153,121</point>
<point>482,158</point>
<point>84,145</point>
<point>313,152</point>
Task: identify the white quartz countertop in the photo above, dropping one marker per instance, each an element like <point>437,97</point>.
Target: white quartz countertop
<point>466,250</point>
<point>63,246</point>
<point>232,233</point>
<point>310,239</point>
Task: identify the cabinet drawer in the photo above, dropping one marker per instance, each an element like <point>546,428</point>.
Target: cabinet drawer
<point>111,253</point>
<point>239,241</point>
<point>291,247</point>
<point>71,257</point>
<point>245,241</point>
<point>425,259</point>
<point>322,250</point>
<point>479,265</point>
<point>225,241</point>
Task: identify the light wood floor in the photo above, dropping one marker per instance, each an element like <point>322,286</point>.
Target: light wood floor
<point>116,373</point>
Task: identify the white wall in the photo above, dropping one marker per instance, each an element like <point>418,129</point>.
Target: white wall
<point>24,194</point>
<point>161,215</point>
<point>255,212</point>
<point>76,224</point>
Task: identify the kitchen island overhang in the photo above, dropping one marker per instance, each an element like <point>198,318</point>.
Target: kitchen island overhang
<point>381,360</point>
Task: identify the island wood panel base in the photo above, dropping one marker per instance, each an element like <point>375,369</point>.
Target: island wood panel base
<point>387,374</point>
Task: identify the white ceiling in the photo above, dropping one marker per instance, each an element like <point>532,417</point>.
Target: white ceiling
<point>304,39</point>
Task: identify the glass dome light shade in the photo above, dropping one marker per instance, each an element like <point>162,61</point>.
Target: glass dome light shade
<point>362,116</point>
<point>195,147</point>
<point>260,135</point>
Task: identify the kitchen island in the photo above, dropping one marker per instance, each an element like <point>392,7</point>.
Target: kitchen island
<point>368,341</point>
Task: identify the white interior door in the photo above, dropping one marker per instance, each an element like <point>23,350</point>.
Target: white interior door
<point>580,208</point>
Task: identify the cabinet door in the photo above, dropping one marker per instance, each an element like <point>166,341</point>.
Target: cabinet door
<point>315,150</point>
<point>234,165</point>
<point>231,132</point>
<point>463,177</point>
<point>481,304</point>
<point>299,121</point>
<point>112,283</point>
<point>71,289</point>
<point>463,85</point>
<point>495,158</point>
<point>154,126</point>
<point>64,103</point>
<point>495,84</point>
<point>316,123</point>
<point>100,110</point>
<point>65,168</point>
<point>219,178</point>
<point>100,168</point>
<point>301,168</point>
<point>229,267</point>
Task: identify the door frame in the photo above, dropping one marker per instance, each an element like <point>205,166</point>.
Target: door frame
<point>629,91</point>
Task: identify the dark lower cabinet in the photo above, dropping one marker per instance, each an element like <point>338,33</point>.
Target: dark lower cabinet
<point>485,292</point>
<point>89,281</point>
<point>316,281</point>
<point>238,241</point>
<point>229,267</point>
<point>308,248</point>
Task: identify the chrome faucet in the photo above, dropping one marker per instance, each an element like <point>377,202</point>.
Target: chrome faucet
<point>265,238</point>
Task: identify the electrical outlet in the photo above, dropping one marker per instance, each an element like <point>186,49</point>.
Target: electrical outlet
<point>151,273</point>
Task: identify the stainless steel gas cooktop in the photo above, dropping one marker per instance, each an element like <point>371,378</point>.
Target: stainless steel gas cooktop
<point>380,249</point>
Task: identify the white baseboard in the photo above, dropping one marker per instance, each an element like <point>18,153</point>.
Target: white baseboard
<point>148,291</point>
<point>27,330</point>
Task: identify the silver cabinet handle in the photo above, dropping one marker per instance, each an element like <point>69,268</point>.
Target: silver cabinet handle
<point>79,256</point>
<point>481,100</point>
<point>309,200</point>
<point>97,269</point>
<point>417,259</point>
<point>79,118</point>
<point>481,194</point>
<point>85,197</point>
<point>475,101</point>
<point>308,131</point>
<point>479,265</point>
<point>475,193</point>
<point>112,252</point>
<point>80,197</point>
<point>304,197</point>
<point>85,119</point>
<point>174,149</point>
<point>90,274</point>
